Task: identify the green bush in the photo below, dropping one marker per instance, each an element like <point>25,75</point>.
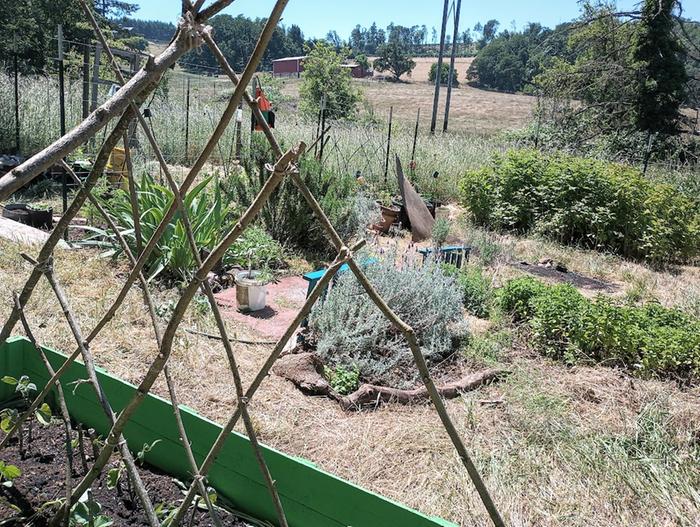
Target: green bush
<point>584,202</point>
<point>514,297</point>
<point>287,216</point>
<point>210,219</point>
<point>650,339</point>
<point>350,332</point>
<point>476,289</point>
<point>343,380</point>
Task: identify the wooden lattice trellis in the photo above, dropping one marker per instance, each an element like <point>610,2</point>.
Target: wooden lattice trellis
<point>192,31</point>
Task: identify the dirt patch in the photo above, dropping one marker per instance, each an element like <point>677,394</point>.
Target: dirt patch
<point>564,276</point>
<point>43,477</point>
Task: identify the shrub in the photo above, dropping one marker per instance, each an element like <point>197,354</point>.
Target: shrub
<point>210,220</point>
<point>444,74</point>
<point>343,380</point>
<point>650,339</point>
<point>325,76</point>
<point>287,216</point>
<point>475,288</point>
<point>514,297</point>
<point>584,202</point>
<point>350,331</point>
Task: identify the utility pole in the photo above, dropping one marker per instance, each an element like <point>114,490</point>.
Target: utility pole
<point>436,98</point>
<point>452,65</point>
<point>187,122</point>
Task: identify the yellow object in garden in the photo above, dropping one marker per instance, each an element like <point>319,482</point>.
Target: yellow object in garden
<point>116,169</point>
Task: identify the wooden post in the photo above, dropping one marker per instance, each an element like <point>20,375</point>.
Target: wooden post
<point>86,80</point>
<point>323,131</point>
<point>95,77</point>
<point>16,70</point>
<point>413,150</point>
<point>388,146</point>
<point>318,122</point>
<point>187,122</point>
<point>239,125</point>
<point>62,113</point>
<point>452,65</point>
<point>436,97</point>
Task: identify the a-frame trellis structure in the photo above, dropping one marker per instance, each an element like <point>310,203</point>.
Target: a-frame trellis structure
<point>192,32</point>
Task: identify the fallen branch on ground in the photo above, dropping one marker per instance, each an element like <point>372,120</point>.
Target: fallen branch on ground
<point>305,370</point>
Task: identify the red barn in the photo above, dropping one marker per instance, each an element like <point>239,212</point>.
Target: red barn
<point>288,66</point>
<point>294,66</point>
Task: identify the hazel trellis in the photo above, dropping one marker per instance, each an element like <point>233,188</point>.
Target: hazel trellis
<point>192,32</point>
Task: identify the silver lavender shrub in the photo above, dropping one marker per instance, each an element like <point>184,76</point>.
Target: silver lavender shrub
<point>350,331</point>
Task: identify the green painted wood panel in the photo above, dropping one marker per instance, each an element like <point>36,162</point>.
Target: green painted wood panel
<point>311,497</point>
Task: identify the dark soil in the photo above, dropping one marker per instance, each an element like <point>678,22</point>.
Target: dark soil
<point>570,277</point>
<point>43,479</point>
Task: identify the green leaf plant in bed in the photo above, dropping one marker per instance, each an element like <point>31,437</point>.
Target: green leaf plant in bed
<point>25,388</point>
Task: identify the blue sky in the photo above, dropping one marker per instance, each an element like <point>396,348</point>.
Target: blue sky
<point>316,17</point>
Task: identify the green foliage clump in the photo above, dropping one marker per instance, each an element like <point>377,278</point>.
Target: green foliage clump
<point>444,74</point>
<point>350,331</point>
<point>287,216</point>
<point>394,57</point>
<point>649,339</point>
<point>476,289</point>
<point>511,60</point>
<point>584,202</point>
<point>343,380</point>
<point>210,219</point>
<point>325,76</point>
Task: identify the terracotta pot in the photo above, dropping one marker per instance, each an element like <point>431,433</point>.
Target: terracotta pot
<point>389,217</point>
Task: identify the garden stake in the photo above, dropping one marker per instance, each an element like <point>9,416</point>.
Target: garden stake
<point>65,416</point>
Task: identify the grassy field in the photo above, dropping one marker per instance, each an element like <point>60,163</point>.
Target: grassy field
<point>472,111</point>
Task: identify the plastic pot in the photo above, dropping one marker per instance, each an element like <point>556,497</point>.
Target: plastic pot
<point>251,293</point>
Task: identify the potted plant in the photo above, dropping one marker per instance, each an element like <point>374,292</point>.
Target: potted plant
<point>390,213</point>
<point>251,291</point>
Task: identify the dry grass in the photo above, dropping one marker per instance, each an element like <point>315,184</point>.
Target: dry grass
<point>582,446</point>
<point>472,110</point>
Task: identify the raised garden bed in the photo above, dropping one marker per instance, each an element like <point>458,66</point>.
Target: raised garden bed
<point>311,497</point>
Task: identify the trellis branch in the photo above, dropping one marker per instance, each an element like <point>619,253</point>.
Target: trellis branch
<point>148,301</point>
<point>63,408</point>
<point>119,442</point>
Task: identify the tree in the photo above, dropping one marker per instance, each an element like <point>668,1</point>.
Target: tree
<point>394,57</point>
<point>661,73</point>
<point>444,74</point>
<point>114,8</point>
<point>488,33</point>
<point>334,39</point>
<point>511,60</point>
<point>324,75</point>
